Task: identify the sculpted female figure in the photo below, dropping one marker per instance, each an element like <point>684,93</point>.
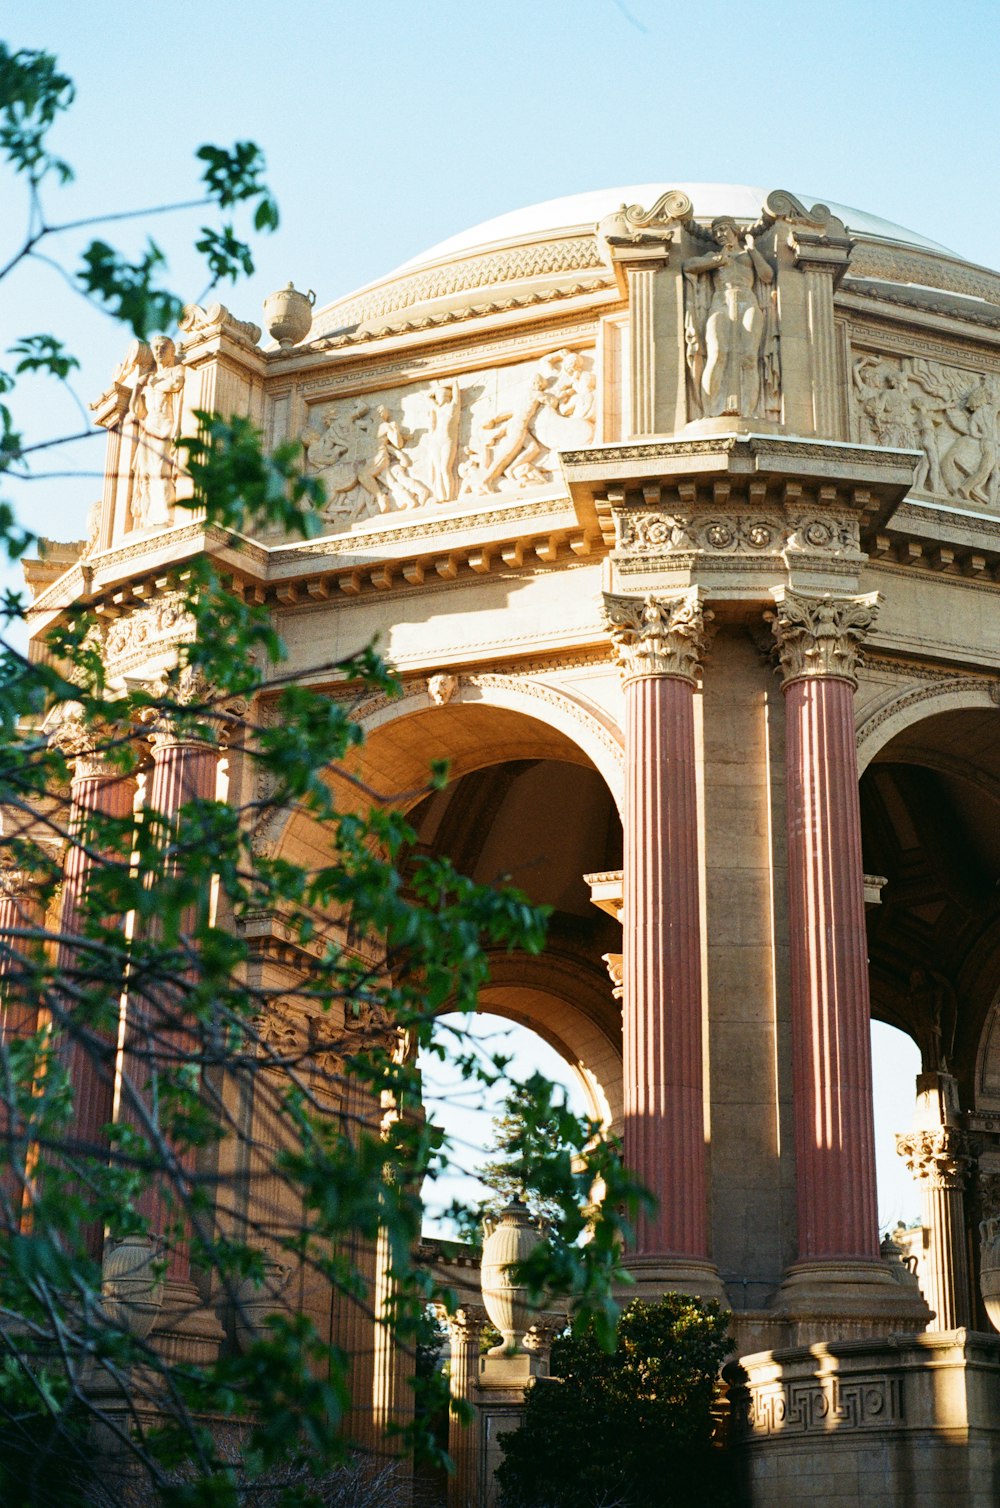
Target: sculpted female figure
<point>441,443</point>
<point>156,406</point>
<point>726,343</point>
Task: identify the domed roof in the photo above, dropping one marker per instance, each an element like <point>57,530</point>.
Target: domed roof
<point>582,211</point>
<point>552,244</point>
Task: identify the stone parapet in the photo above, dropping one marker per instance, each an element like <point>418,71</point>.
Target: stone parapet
<point>911,1420</point>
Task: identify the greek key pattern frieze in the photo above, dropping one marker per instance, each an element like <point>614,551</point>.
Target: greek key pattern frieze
<point>801,1408</point>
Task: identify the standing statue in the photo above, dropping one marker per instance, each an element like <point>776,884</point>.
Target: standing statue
<point>441,442</point>
<point>730,329</point>
<point>155,407</point>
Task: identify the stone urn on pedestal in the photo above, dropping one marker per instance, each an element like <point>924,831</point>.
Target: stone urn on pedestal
<point>132,1284</point>
<point>509,1240</point>
<point>256,1300</point>
<point>288,315</point>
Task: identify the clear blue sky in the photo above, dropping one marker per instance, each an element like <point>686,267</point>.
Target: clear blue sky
<point>389,127</point>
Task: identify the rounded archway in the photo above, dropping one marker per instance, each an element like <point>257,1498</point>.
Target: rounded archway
<point>930,804</point>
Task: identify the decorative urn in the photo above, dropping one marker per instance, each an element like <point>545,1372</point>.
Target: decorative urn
<point>288,315</point>
<point>132,1284</point>
<point>255,1300</point>
<point>989,1268</point>
<point>509,1240</point>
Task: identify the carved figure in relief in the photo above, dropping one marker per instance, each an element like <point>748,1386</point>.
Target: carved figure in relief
<point>156,406</point>
<point>969,466</point>
<point>557,409</point>
<point>391,466</point>
<point>948,414</point>
<point>337,453</point>
<point>731,328</point>
<point>441,442</point>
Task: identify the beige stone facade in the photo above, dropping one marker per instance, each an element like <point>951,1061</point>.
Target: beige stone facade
<point>788,418</point>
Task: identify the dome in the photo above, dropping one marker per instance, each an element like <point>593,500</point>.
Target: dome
<point>582,211</point>
<point>551,244</point>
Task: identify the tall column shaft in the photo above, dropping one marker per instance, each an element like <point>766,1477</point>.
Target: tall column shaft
<point>835,1138</point>
<point>659,643</point>
<point>662,1027</point>
<point>20,910</point>
<point>465,1329</point>
<point>95,792</point>
<point>183,771</point>
<point>947,1268</point>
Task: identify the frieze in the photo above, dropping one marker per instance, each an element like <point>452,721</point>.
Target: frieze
<point>451,439</point>
<point>897,266</point>
<point>412,368</point>
<point>572,254</point>
<point>458,316</point>
<point>949,414</point>
<point>834,1404</point>
<point>134,636</point>
<point>652,532</point>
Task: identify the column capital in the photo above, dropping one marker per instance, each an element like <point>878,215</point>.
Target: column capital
<point>191,716</point>
<point>939,1157</point>
<point>657,636</point>
<point>820,635</point>
<point>468,1321</point>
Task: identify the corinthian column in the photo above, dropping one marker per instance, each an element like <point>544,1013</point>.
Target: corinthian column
<point>20,914</point>
<point>465,1329</point>
<point>90,984</point>
<point>936,1155</point>
<point>659,643</point>
<point>159,1036</point>
<point>818,639</point>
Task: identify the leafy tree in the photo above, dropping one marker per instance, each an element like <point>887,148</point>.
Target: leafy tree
<point>533,1113</point>
<point>630,1428</point>
<point>129,988</point>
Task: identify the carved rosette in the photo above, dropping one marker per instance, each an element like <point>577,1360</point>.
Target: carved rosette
<point>938,1157</point>
<point>657,636</point>
<point>821,636</point>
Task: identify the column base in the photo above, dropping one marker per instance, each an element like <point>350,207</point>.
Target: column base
<point>186,1328</point>
<point>844,1299</point>
<point>655,1275</point>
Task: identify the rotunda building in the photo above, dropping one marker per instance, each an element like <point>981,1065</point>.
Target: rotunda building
<point>677,510</point>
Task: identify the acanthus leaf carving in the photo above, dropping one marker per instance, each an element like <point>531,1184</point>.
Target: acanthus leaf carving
<point>657,635</point>
<point>820,635</point>
<point>938,1156</point>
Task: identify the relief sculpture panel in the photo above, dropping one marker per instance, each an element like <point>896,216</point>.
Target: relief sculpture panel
<point>948,414</point>
<point>450,439</point>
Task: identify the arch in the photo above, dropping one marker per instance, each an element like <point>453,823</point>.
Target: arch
<point>583,728</point>
<point>571,1006</point>
<point>484,720</point>
<point>882,723</point>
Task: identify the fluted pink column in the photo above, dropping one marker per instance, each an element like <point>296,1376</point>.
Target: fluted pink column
<point>834,1128</point>
<point>20,911</point>
<point>98,790</point>
<point>659,643</point>
<point>184,770</point>
<point>835,1140</point>
<point>664,1101</point>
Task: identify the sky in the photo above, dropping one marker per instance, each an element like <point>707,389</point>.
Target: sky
<point>390,127</point>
